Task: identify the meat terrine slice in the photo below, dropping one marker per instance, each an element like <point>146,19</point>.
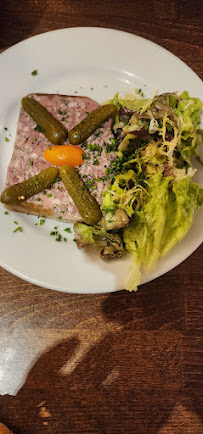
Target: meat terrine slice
<point>27,158</point>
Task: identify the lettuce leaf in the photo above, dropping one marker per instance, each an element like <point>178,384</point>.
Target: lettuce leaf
<point>190,137</point>
<point>183,203</point>
<point>163,221</point>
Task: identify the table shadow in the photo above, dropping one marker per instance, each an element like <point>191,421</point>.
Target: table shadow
<point>115,388</point>
<point>128,382</point>
<point>156,305</point>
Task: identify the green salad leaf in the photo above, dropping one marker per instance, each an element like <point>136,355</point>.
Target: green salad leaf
<point>164,220</point>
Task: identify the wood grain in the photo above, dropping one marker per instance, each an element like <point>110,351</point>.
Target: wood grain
<point>116,363</point>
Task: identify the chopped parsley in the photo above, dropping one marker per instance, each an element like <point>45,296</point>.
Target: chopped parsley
<point>5,128</point>
<point>16,223</point>
<point>6,212</point>
<point>115,167</point>
<point>89,183</point>
<point>92,147</point>
<point>67,230</point>
<point>86,156</point>
<point>98,134</point>
<point>7,139</point>
<point>31,163</point>
<point>35,72</point>
<point>49,195</point>
<point>38,128</point>
<point>42,221</point>
<point>140,92</point>
<point>38,199</point>
<point>112,146</point>
<point>60,112</point>
<point>56,233</point>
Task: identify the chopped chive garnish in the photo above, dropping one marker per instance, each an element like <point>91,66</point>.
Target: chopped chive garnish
<point>53,233</point>
<point>18,229</point>
<point>67,230</point>
<point>35,72</point>
<point>38,128</point>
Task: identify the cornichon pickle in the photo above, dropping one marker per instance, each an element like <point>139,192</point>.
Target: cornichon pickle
<point>93,120</point>
<point>85,202</point>
<point>53,130</point>
<point>18,193</point>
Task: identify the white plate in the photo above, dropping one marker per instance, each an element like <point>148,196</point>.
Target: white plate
<point>97,63</point>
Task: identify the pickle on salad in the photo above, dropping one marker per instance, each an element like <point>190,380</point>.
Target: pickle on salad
<point>53,130</point>
<point>93,120</point>
<point>18,193</point>
<point>83,199</point>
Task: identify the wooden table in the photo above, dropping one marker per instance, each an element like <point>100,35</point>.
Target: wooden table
<point>117,363</point>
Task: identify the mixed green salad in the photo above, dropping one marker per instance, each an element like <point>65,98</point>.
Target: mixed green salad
<point>151,200</point>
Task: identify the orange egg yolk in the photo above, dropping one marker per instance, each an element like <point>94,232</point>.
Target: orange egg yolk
<point>61,155</point>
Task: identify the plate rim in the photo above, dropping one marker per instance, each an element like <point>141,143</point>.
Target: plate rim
<point>101,29</point>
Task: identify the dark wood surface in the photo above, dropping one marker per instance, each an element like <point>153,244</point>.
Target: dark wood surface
<point>116,363</point>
